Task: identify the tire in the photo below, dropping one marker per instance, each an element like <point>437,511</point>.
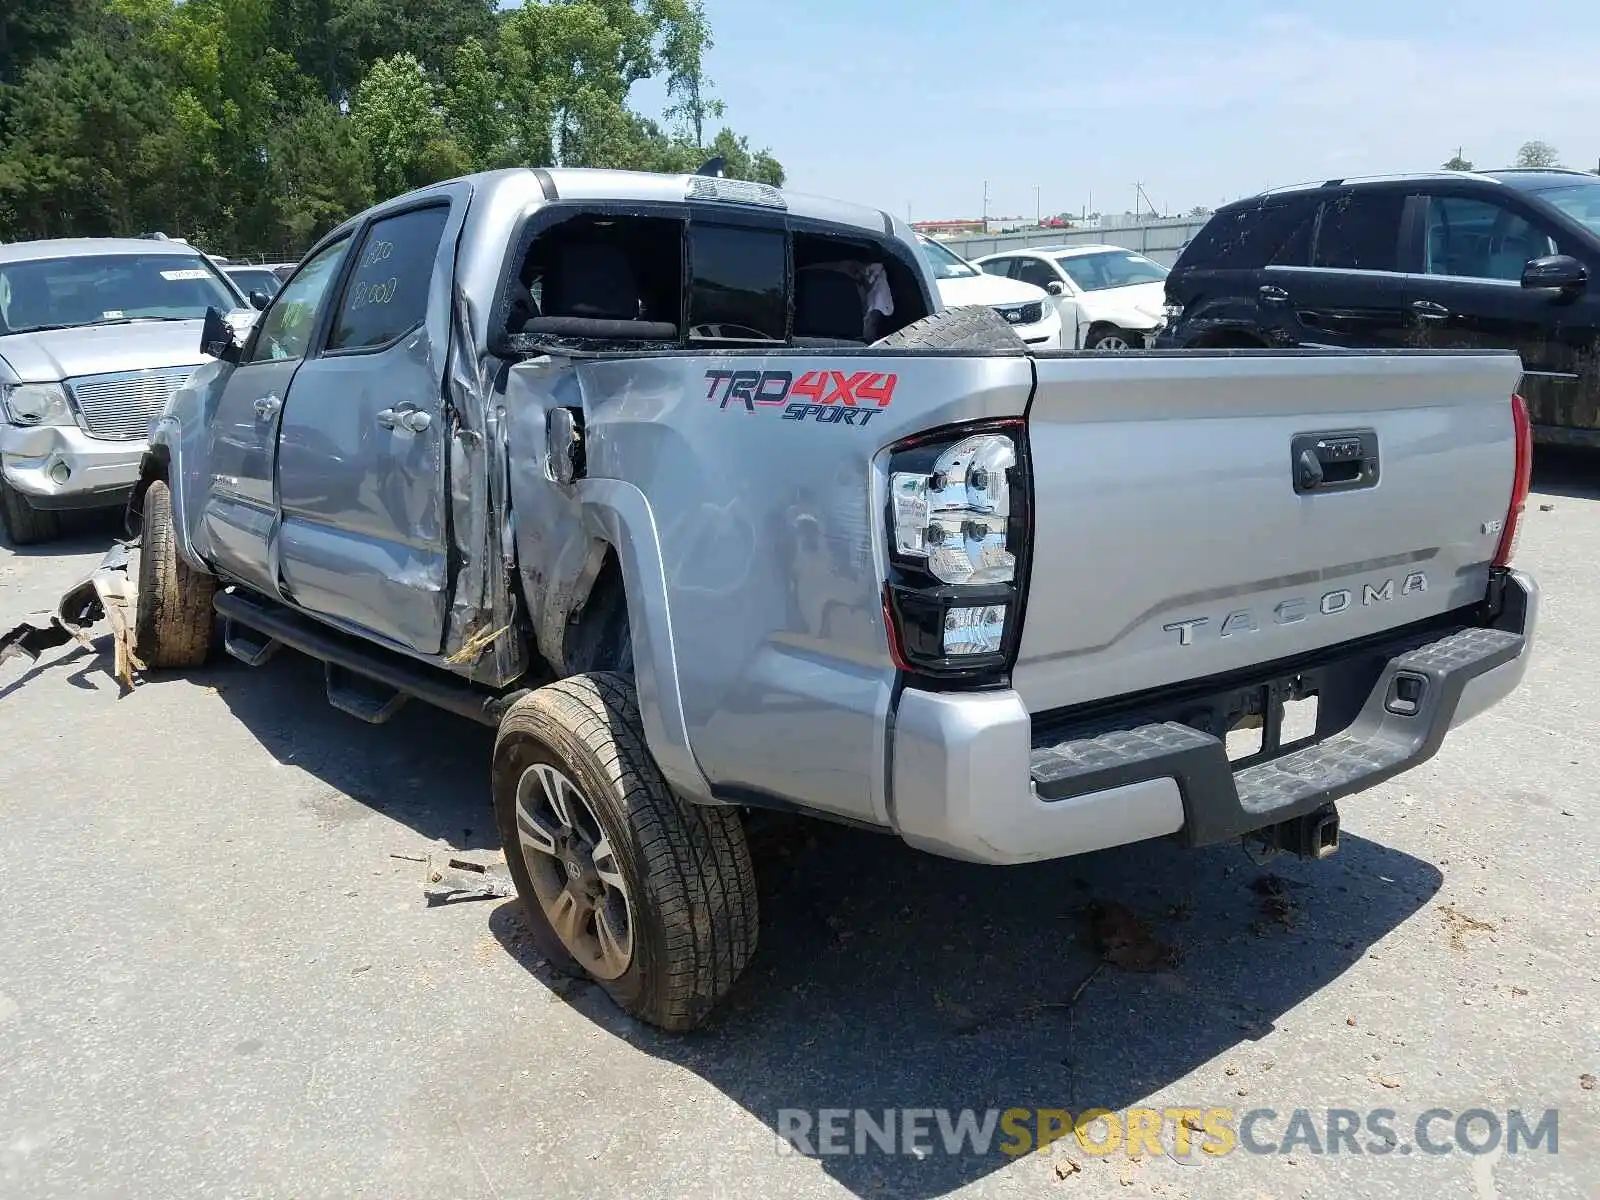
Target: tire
<point>966,328</point>
<point>670,919</point>
<point>1110,338</point>
<point>173,623</point>
<point>25,524</point>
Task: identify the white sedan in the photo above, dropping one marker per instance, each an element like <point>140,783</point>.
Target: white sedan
<point>1108,298</point>
<point>962,285</point>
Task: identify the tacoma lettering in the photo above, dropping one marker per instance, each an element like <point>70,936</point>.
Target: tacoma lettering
<point>1292,612</point>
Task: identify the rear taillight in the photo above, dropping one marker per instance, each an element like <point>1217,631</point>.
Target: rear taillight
<point>958,522</point>
<point>1521,483</point>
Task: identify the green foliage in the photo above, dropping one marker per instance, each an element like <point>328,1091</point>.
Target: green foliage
<point>1458,163</point>
<point>254,126</point>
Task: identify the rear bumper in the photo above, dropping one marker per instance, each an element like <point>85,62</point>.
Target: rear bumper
<point>975,777</point>
<point>98,473</point>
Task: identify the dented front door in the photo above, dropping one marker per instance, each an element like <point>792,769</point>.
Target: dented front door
<point>361,468</point>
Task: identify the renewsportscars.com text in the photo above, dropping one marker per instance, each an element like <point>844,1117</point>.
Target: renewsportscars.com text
<point>1137,1132</point>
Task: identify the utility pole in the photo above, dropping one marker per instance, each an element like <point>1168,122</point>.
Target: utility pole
<point>986,206</point>
<point>1038,209</point>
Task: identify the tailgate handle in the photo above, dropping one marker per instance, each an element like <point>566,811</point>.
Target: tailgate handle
<point>1345,460</point>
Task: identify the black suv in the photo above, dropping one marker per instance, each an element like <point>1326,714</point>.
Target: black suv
<point>1504,260</point>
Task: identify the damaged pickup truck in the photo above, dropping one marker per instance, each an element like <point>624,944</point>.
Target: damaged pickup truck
<point>691,489</point>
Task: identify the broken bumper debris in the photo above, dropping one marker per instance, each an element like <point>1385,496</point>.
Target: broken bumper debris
<point>106,595</point>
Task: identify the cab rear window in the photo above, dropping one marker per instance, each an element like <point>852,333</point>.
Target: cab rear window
<point>620,281</point>
<point>738,284</point>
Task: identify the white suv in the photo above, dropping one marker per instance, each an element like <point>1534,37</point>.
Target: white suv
<point>1106,297</point>
<point>962,285</point>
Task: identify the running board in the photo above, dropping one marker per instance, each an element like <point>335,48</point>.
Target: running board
<point>366,681</point>
<point>252,648</point>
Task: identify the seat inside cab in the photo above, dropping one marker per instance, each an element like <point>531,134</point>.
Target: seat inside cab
<point>659,281</point>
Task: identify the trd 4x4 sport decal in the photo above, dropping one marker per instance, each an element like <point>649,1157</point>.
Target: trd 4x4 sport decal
<point>831,397</point>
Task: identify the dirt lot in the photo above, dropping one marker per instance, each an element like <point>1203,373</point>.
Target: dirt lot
<point>218,979</point>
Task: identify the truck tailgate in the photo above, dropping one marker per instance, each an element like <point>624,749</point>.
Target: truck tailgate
<point>1171,542</point>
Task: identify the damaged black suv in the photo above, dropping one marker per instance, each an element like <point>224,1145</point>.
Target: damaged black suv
<point>1498,260</point>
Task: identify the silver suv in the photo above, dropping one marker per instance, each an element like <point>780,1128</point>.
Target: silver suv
<point>95,335</point>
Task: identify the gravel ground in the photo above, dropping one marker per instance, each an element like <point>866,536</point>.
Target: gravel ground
<point>218,979</point>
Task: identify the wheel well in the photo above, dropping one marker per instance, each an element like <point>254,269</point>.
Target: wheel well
<point>598,637</point>
<point>155,464</point>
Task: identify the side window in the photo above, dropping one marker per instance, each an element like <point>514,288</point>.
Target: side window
<point>1291,232</point>
<point>1479,239</point>
<point>1038,273</point>
<point>1005,268</point>
<point>285,329</point>
<point>387,293</point>
<point>738,284</point>
<point>1272,232</point>
<point>1360,231</point>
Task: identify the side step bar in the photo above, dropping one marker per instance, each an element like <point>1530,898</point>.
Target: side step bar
<point>364,681</point>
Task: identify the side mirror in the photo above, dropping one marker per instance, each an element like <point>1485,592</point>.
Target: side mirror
<point>217,337</point>
<point>1555,271</point>
<point>1056,288</point>
<point>259,300</point>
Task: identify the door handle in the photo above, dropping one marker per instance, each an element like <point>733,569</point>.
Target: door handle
<point>410,419</point>
<point>1429,311</point>
<point>1272,294</point>
<point>267,407</point>
<point>1342,461</point>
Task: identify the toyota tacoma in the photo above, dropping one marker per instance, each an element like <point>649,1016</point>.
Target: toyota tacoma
<point>693,490</point>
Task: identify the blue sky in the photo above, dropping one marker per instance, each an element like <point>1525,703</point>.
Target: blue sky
<point>889,102</point>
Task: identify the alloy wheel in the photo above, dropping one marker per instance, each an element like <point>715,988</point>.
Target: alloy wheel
<point>574,871</point>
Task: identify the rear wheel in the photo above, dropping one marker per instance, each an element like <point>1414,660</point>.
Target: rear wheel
<point>25,524</point>
<point>173,622</point>
<point>651,897</point>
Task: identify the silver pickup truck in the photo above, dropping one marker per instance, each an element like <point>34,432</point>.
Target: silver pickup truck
<point>692,489</point>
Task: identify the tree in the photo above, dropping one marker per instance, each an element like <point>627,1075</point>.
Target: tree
<point>82,156</point>
<point>34,29</point>
<point>1537,154</point>
<point>476,114</point>
<point>1199,211</point>
<point>740,163</point>
<point>319,172</point>
<point>397,117</point>
<point>1458,163</point>
<point>254,126</point>
<point>683,50</point>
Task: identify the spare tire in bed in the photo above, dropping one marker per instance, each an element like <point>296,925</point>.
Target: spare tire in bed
<point>966,328</point>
